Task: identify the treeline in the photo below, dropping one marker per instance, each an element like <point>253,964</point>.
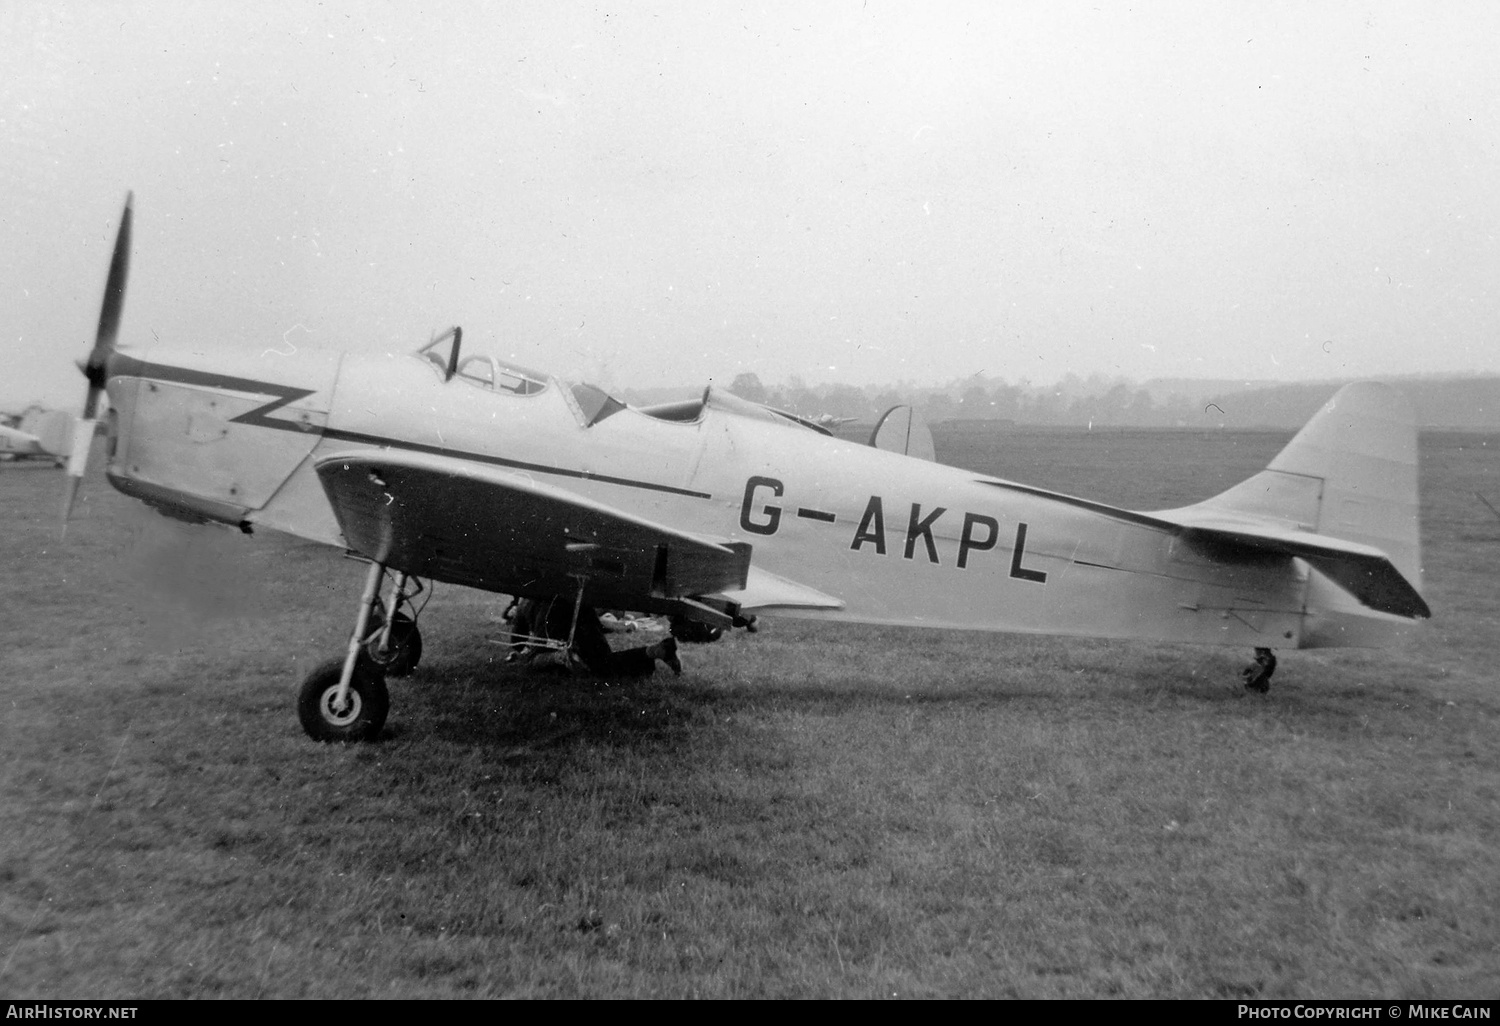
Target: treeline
<point>1452,404</point>
<point>1072,401</point>
<point>1457,403</point>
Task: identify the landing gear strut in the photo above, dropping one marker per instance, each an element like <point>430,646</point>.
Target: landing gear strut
<point>394,642</point>
<point>1258,674</point>
<point>346,699</point>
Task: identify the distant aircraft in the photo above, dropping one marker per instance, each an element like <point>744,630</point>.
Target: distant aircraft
<point>828,420</point>
<point>37,433</point>
<point>457,466</point>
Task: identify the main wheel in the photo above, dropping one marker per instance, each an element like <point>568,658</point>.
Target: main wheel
<point>361,717</point>
<point>405,650</point>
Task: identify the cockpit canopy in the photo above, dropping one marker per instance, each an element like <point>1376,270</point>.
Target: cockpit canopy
<point>480,368</point>
<point>490,373</point>
<point>590,403</point>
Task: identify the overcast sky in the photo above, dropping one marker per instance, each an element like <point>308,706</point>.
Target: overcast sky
<point>668,193</point>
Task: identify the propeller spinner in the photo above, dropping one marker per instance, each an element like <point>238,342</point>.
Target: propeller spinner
<point>96,366</point>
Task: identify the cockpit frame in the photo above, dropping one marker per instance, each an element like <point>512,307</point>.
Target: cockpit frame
<point>489,372</point>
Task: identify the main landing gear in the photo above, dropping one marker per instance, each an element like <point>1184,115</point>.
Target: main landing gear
<point>346,699</point>
<point>395,643</point>
<point>1258,674</point>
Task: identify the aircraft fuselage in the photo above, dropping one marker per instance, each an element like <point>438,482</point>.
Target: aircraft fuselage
<point>875,536</point>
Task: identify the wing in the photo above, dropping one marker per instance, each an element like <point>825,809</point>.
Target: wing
<point>1364,571</point>
<point>482,527</point>
<point>764,590</point>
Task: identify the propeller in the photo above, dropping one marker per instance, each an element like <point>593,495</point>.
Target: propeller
<point>96,366</point>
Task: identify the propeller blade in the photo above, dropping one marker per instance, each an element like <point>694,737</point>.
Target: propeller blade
<point>96,366</point>
<point>78,464</point>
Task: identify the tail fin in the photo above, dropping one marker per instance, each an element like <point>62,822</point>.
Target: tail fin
<point>1350,473</point>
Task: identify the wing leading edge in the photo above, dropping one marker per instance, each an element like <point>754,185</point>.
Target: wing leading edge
<point>456,521</point>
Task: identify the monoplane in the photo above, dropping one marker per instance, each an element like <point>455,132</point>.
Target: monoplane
<point>36,433</point>
<point>442,463</point>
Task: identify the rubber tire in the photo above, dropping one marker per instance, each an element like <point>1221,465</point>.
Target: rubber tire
<point>406,646</point>
<point>371,702</point>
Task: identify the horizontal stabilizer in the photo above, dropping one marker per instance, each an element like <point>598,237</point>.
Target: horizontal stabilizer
<point>1365,571</point>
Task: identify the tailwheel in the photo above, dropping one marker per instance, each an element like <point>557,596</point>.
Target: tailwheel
<point>1258,674</point>
<point>401,654</point>
<point>362,713</point>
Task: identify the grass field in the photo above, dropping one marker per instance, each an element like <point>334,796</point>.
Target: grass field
<point>810,811</point>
